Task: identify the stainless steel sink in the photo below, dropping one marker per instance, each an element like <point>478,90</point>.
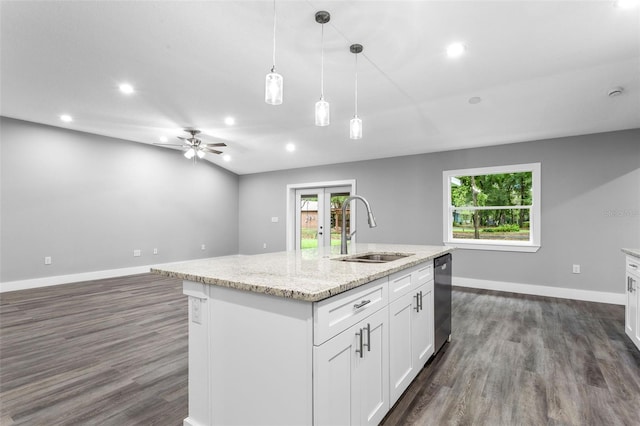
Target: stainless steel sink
<point>375,257</point>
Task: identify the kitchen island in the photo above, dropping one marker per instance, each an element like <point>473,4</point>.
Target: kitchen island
<point>306,337</point>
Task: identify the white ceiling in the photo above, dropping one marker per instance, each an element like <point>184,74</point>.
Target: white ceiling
<point>542,69</point>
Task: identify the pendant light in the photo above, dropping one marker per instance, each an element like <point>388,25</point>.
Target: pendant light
<point>355,126</point>
<point>274,81</point>
<point>322,106</point>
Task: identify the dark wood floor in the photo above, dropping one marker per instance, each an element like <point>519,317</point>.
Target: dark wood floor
<point>114,352</point>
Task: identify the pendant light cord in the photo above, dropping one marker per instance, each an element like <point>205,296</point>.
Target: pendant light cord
<point>273,69</point>
<point>322,64</point>
<point>356,95</point>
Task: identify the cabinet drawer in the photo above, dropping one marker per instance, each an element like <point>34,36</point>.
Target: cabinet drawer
<point>335,314</point>
<point>400,283</point>
<point>633,265</point>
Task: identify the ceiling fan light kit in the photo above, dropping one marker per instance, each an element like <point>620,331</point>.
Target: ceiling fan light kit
<point>193,146</point>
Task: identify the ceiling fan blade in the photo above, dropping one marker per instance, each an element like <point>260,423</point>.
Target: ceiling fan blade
<point>212,151</point>
<point>168,144</point>
<point>209,145</point>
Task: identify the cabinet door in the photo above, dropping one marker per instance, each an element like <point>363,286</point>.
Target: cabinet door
<point>335,380</point>
<point>631,313</point>
<point>423,327</point>
<point>373,369</point>
<point>401,359</point>
<point>350,379</point>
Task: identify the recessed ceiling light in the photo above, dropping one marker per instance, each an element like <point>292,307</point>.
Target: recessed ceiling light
<point>226,157</point>
<point>229,121</point>
<point>126,88</point>
<point>66,118</point>
<point>475,100</point>
<point>627,4</point>
<point>291,147</point>
<point>455,50</point>
<point>164,139</point>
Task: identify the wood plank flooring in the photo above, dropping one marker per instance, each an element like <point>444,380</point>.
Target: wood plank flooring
<point>108,352</point>
<point>527,360</point>
<point>114,352</point>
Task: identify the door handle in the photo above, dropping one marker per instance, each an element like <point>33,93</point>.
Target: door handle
<point>359,350</point>
<point>417,296</point>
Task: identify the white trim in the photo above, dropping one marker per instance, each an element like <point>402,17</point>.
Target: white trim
<point>73,278</point>
<point>291,202</point>
<point>541,290</point>
<point>487,245</point>
<point>534,242</point>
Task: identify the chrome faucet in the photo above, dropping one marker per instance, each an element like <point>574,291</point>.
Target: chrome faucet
<point>343,235</point>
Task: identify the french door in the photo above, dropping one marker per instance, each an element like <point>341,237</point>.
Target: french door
<point>318,216</point>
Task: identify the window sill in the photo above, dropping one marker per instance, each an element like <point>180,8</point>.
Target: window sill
<point>502,246</point>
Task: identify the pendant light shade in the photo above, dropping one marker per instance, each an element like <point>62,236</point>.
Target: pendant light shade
<point>273,88</point>
<point>322,113</point>
<point>355,126</point>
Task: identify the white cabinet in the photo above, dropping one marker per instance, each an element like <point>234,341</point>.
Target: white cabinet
<point>351,368</point>
<point>351,374</point>
<point>632,314</point>
<point>410,328</point>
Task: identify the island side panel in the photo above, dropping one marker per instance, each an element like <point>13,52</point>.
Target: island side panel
<point>199,413</point>
<point>260,359</point>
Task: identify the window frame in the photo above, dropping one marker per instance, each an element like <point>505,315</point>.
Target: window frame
<point>534,243</point>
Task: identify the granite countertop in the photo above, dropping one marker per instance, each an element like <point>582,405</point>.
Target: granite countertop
<point>310,275</point>
<point>632,252</point>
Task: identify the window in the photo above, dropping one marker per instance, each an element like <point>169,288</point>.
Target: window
<point>493,208</point>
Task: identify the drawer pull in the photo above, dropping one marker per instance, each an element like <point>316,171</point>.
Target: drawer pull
<point>361,304</point>
<point>632,265</point>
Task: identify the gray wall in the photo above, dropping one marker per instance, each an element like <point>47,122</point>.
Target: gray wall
<point>590,207</point>
<point>88,201</point>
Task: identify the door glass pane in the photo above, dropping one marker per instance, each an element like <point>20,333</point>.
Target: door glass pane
<point>336,201</point>
<point>308,221</point>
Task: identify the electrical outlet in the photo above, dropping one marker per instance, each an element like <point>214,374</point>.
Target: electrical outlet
<point>47,260</point>
<point>203,247</point>
<point>155,251</point>
<point>264,245</point>
<point>196,310</point>
<point>576,269</point>
<point>275,219</point>
<point>137,253</point>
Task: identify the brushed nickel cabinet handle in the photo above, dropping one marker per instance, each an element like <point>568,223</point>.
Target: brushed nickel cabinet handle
<point>361,304</point>
<point>359,350</point>
<point>368,344</point>
<point>417,296</point>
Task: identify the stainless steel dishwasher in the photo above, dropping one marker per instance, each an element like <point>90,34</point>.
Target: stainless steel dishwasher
<point>442,300</point>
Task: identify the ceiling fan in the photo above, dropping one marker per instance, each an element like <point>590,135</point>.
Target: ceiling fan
<point>194,146</point>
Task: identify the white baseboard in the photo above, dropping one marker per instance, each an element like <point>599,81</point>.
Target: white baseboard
<point>72,278</point>
<point>540,290</point>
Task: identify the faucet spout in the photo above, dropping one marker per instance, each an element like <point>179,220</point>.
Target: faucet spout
<point>370,218</point>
